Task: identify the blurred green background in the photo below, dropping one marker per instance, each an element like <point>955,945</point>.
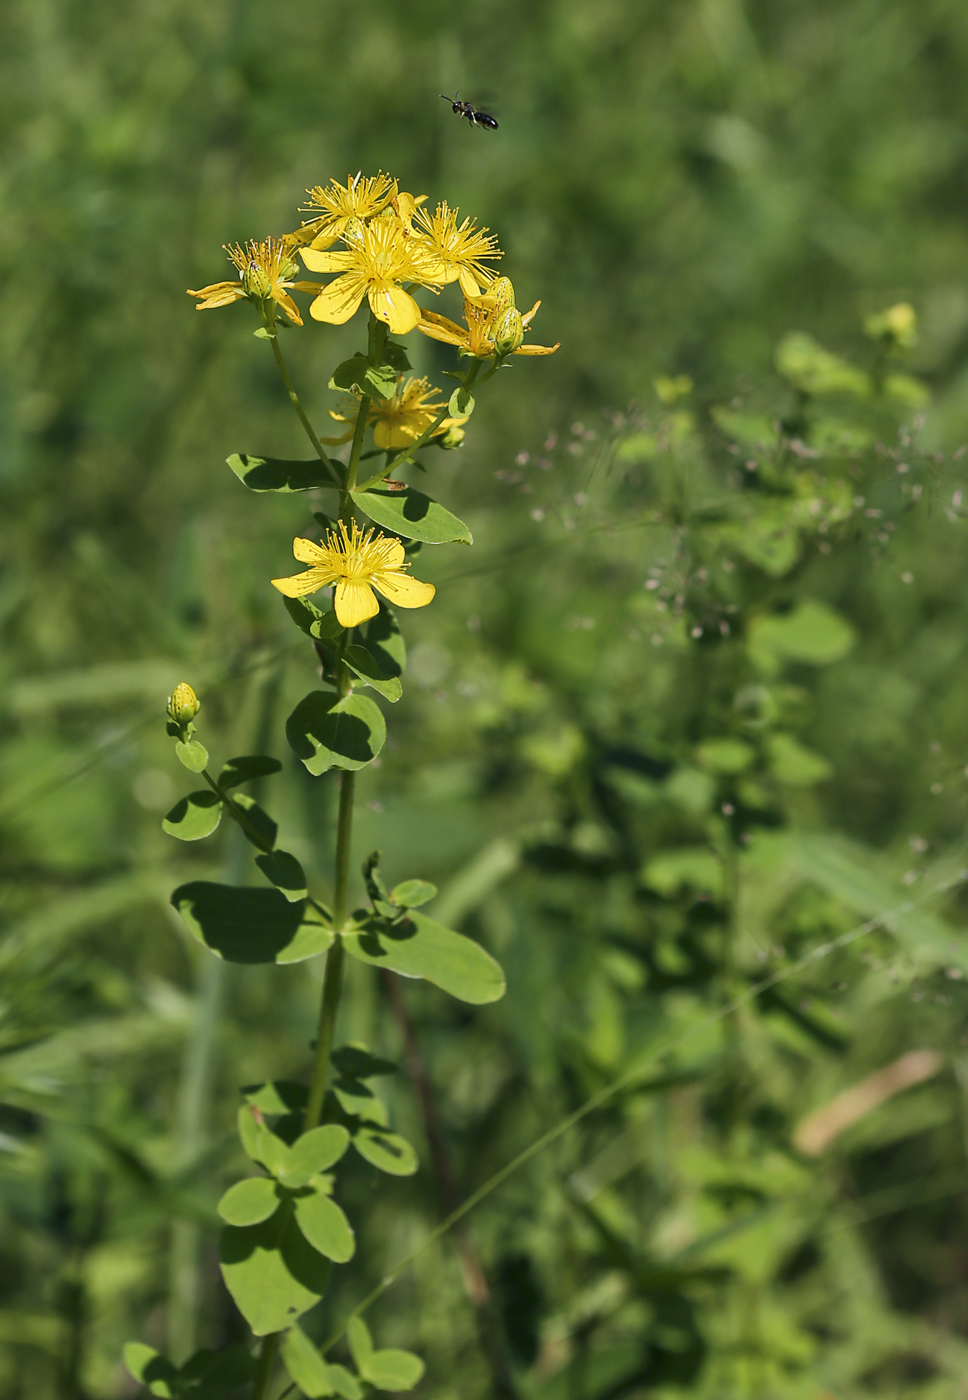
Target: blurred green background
<point>682,184</point>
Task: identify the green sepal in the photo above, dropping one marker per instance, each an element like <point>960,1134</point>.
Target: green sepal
<point>260,829</point>
<point>326,732</point>
<point>378,381</point>
<point>244,769</point>
<point>324,1225</point>
<point>384,641</point>
<point>279,474</point>
<point>249,1202</point>
<point>461,404</point>
<point>417,946</point>
<point>194,817</point>
<point>362,664</point>
<point>410,894</point>
<point>321,626</point>
<point>192,755</point>
<point>284,871</point>
<point>412,514</point>
<point>272,1271</point>
<point>248,924</point>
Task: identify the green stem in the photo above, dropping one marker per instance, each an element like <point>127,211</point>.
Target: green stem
<point>333,976</point>
<point>267,1356</point>
<point>294,400</point>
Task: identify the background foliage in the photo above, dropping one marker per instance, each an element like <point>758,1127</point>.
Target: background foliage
<point>683,184</point>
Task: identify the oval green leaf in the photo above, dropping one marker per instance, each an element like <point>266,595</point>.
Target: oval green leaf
<point>249,1202</point>
<point>244,769</point>
<point>410,894</point>
<point>284,871</point>
<point>272,1272</point>
<point>326,732</point>
<point>388,1152</point>
<point>195,816</point>
<point>362,664</point>
<point>390,1369</point>
<point>325,1226</point>
<point>384,641</point>
<point>193,755</point>
<point>313,1152</point>
<point>417,946</point>
<point>412,514</point>
<point>258,826</point>
<point>151,1368</point>
<point>251,925</point>
<point>305,1365</point>
<point>278,474</point>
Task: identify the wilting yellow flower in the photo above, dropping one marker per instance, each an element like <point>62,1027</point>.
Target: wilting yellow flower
<point>400,420</point>
<point>494,326</point>
<point>334,207</point>
<point>456,249</point>
<point>266,270</point>
<point>379,256</point>
<point>183,704</point>
<point>357,563</point>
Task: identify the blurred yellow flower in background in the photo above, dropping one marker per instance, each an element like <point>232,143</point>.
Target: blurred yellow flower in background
<point>266,271</point>
<point>357,563</point>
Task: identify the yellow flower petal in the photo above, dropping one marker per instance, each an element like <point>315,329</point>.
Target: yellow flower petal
<point>395,306</point>
<point>355,602</point>
<point>468,283</point>
<point>401,589</point>
<point>528,316</point>
<point>439,328</point>
<point>327,262</point>
<point>298,585</point>
<point>308,552</point>
<point>287,304</point>
<point>218,294</point>
<point>339,301</point>
<point>537,349</point>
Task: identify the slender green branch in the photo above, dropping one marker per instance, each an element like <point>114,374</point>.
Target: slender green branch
<point>294,400</point>
<point>237,814</point>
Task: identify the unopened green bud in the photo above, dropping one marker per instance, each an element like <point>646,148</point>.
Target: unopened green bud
<point>508,331</point>
<point>183,704</point>
<point>452,438</point>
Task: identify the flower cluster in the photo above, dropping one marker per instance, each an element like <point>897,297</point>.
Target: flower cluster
<point>392,246</point>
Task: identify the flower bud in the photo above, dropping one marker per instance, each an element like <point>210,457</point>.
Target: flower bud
<point>501,294</point>
<point>508,331</point>
<point>183,704</point>
<point>452,438</point>
<point>897,327</point>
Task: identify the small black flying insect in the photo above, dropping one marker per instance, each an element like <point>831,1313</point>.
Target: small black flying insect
<point>473,114</point>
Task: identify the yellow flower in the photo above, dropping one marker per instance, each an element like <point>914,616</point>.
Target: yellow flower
<point>379,256</point>
<point>400,420</point>
<point>456,249</point>
<point>266,270</point>
<point>494,326</point>
<point>357,563</point>
<point>337,205</point>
